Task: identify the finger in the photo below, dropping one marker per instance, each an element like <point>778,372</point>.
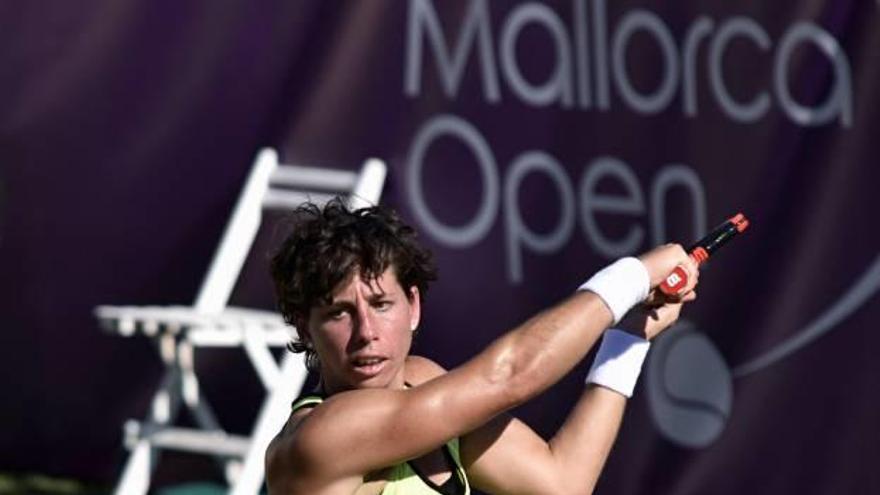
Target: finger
<point>661,260</point>
<point>675,311</point>
<point>690,296</point>
<point>686,272</point>
<point>667,314</point>
<point>679,251</point>
<point>680,256</point>
<point>658,298</point>
<point>693,273</point>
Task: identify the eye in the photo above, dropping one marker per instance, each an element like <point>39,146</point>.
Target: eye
<point>383,305</point>
<point>335,314</point>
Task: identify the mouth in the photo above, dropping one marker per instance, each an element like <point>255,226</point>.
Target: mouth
<point>368,366</point>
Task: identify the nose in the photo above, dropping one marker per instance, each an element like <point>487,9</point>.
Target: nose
<point>364,328</point>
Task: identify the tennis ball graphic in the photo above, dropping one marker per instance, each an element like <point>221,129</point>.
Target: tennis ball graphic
<point>690,390</point>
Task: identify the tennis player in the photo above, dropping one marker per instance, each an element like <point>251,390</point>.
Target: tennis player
<point>384,422</point>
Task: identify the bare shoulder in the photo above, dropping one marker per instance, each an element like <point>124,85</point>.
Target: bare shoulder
<point>304,458</point>
<point>418,370</point>
<point>314,451</point>
<point>281,455</point>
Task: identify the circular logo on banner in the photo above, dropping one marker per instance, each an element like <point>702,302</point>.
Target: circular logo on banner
<point>690,388</point>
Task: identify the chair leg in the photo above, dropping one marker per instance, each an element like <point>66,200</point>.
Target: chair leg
<point>258,352</point>
<point>199,407</point>
<point>202,412</point>
<point>273,414</point>
<point>135,479</point>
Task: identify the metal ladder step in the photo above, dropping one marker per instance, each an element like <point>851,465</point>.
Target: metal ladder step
<point>198,441</point>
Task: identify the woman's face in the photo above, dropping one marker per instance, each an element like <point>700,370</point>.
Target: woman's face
<point>363,336</point>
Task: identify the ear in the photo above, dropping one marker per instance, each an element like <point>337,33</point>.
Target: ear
<point>415,304</point>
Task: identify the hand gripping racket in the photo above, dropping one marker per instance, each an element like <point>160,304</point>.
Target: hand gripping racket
<point>702,249</point>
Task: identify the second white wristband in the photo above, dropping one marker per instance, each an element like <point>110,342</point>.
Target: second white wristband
<point>619,361</point>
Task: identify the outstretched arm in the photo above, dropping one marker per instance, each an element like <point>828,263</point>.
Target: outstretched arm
<point>507,457</point>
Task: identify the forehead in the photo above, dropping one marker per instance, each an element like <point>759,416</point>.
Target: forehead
<point>385,283</point>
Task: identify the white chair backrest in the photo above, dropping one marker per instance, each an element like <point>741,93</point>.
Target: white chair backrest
<point>271,185</point>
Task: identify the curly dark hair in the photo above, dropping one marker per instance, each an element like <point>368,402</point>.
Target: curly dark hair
<point>328,244</point>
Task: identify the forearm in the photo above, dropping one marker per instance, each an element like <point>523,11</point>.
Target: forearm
<point>581,446</point>
<point>538,353</point>
<point>507,457</point>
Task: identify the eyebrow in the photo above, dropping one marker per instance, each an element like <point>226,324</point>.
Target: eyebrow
<point>372,297</point>
<point>378,295</point>
<point>334,305</point>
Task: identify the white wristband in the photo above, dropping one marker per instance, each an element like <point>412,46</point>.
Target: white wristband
<point>619,361</point>
<point>621,285</point>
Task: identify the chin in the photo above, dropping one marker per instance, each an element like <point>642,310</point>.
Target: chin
<point>364,385</point>
<point>382,379</point>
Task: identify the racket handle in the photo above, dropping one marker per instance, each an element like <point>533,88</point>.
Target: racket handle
<point>674,282</point>
<point>701,251</point>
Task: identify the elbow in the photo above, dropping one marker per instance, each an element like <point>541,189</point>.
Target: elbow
<point>516,375</point>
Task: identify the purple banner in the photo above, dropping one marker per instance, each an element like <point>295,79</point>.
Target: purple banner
<point>530,143</point>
